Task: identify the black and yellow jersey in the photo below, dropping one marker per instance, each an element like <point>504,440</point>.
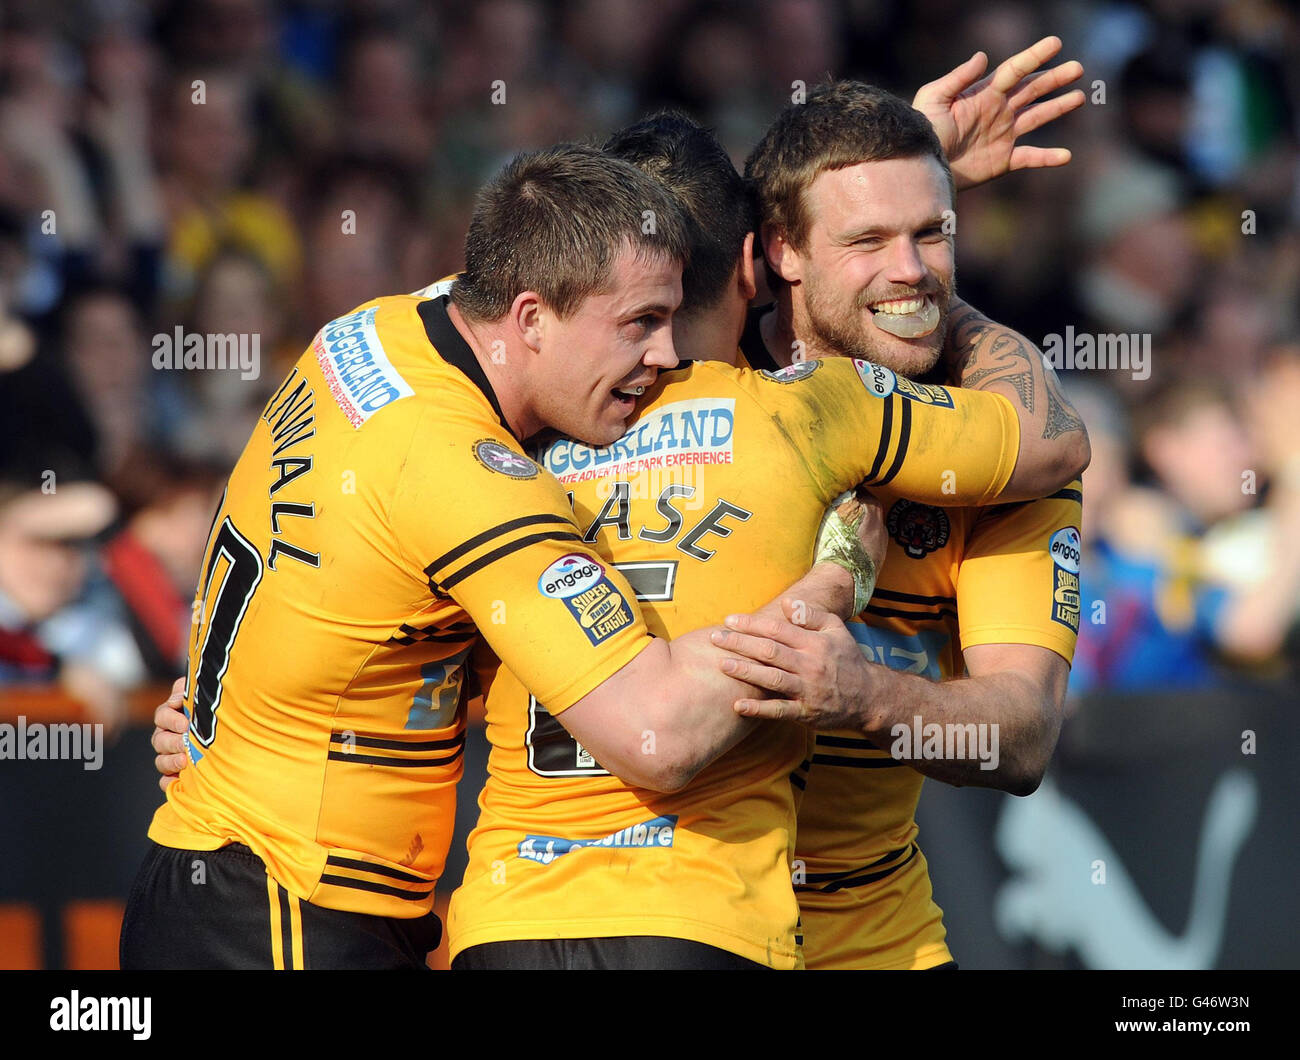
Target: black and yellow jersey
<point>379,519</point>
<point>709,504</point>
<point>953,578</point>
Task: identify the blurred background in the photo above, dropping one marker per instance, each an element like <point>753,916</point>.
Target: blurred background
<point>261,166</point>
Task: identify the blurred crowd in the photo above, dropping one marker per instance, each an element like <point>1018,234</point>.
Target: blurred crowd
<point>258,167</point>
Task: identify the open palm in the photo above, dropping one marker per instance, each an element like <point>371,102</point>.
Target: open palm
<point>979,119</point>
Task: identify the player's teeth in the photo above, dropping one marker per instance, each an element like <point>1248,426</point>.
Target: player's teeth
<point>912,325</point>
<point>911,305</point>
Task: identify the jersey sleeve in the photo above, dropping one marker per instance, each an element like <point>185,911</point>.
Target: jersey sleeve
<point>489,529</point>
<point>855,422</point>
<point>1018,582</point>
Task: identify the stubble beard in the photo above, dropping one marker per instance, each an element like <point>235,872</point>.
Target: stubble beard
<point>838,333</point>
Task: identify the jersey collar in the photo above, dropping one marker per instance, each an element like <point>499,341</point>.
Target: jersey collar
<point>452,348</point>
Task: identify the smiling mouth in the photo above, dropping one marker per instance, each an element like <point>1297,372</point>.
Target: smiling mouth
<point>907,318</point>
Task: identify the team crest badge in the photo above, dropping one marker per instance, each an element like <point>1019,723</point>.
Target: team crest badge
<point>505,461</point>
<point>919,528</point>
<point>792,373</point>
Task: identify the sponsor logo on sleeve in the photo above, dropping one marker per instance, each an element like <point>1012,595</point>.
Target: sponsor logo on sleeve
<point>925,393</point>
<point>360,377</point>
<point>658,832</point>
<point>581,584</point>
<point>880,380</point>
<point>502,459</point>
<point>696,431</point>
<point>919,528</point>
<point>1066,551</point>
<point>791,373</point>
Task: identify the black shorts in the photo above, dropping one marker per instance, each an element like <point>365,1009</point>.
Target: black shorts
<point>621,953</point>
<point>220,909</point>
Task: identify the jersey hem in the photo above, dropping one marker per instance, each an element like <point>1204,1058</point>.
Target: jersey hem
<point>668,927</point>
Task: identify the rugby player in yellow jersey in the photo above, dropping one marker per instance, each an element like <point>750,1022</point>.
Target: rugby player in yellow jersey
<point>326,724</point>
<point>861,256</point>
<point>381,515</point>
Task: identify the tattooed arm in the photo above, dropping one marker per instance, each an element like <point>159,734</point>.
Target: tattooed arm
<point>983,355</point>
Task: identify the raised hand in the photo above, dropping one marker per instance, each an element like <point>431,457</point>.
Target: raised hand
<point>979,119</point>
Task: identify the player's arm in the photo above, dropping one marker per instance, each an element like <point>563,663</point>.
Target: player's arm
<point>655,723</point>
<point>820,678</point>
<point>667,714</point>
<point>984,355</point>
<point>856,422</point>
<point>978,121</point>
<point>1019,609</point>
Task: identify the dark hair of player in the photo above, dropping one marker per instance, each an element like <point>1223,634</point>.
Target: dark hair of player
<point>554,221</point>
<point>689,161</point>
<point>841,124</point>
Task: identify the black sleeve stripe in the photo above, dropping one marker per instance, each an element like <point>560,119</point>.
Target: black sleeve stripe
<point>912,598</point>
<point>486,536</point>
<point>377,888</point>
<point>503,551</point>
<point>848,760</point>
<point>1066,495</point>
<point>397,745</point>
<point>378,870</point>
<point>904,439</point>
<point>918,616</point>
<point>886,429</point>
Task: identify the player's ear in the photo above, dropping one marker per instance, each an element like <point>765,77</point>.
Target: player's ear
<point>748,284</point>
<point>527,314</point>
<point>782,259</point>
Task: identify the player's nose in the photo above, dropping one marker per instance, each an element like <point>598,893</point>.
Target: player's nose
<point>661,353</point>
<point>905,264</point>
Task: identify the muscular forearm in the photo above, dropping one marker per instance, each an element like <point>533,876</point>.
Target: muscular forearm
<point>660,724</point>
<point>1003,725</point>
<point>984,355</point>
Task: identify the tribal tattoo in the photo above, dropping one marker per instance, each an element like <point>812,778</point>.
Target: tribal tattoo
<point>982,352</point>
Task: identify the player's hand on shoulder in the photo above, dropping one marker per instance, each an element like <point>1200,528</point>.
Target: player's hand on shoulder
<point>806,658</point>
<point>170,726</point>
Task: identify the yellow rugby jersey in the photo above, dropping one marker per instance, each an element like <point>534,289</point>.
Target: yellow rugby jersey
<point>710,503</point>
<point>380,516</point>
<point>1012,575</point>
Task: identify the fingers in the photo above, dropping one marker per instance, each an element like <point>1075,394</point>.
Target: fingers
<point>166,782</point>
<point>773,627</point>
<point>1035,86</point>
<point>1035,117</point>
<point>772,709</point>
<point>1022,64</point>
<point>954,82</point>
<point>178,688</point>
<point>169,766</point>
<point>760,649</point>
<point>168,718</point>
<point>1039,157</point>
<point>765,677</point>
